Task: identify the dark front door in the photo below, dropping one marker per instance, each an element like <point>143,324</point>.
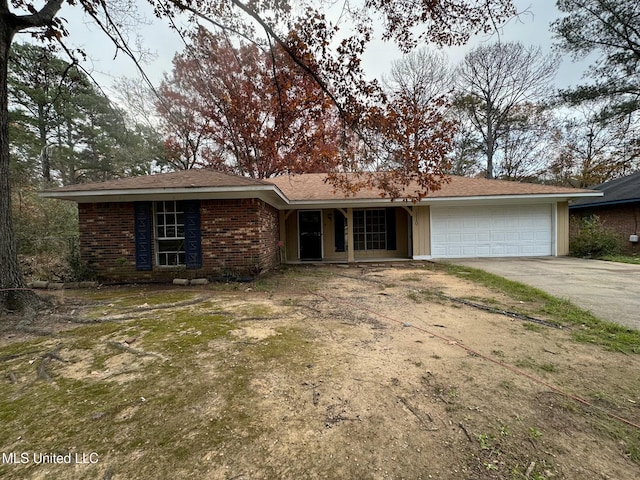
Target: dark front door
<point>310,228</point>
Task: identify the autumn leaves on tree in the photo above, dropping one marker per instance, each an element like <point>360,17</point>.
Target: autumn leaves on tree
<point>237,107</point>
<point>246,110</point>
<point>298,99</point>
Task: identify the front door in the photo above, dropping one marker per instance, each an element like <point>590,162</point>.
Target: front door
<point>310,228</point>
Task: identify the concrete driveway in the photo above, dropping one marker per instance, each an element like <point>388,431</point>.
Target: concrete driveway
<point>611,291</point>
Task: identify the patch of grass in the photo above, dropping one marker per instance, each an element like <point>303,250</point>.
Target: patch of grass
<point>21,349</point>
<point>516,290</point>
<point>526,362</point>
<point>484,440</point>
<point>626,437</point>
<point>298,278</point>
<point>183,330</point>
<point>531,364</point>
<point>534,433</point>
<point>415,296</point>
<point>410,278</point>
<point>635,260</point>
<point>289,347</point>
<point>533,327</point>
<point>196,400</point>
<point>487,301</point>
<point>548,367</point>
<point>136,296</point>
<point>586,327</point>
<point>253,311</point>
<point>420,296</point>
<point>507,385</point>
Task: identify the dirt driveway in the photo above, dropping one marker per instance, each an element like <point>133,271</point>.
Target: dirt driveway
<point>367,373</point>
<point>609,290</point>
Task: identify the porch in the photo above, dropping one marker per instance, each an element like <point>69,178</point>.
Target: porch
<point>348,235</point>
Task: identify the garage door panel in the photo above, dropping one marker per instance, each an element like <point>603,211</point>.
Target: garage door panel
<point>528,237</point>
<point>497,231</point>
<point>469,224</point>
<point>512,223</point>
<point>513,236</point>
<point>498,236</point>
<point>466,250</point>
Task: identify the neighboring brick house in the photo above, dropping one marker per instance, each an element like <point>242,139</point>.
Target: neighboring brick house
<point>203,223</point>
<point>618,210</point>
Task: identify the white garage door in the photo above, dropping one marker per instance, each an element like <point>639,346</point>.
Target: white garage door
<point>491,231</point>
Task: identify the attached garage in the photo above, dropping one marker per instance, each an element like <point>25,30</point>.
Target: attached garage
<point>493,231</point>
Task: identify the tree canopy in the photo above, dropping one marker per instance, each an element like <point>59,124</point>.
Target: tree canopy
<point>494,82</point>
<point>64,129</point>
<point>610,30</point>
<point>246,110</point>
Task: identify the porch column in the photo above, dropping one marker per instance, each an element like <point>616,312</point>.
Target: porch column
<point>283,236</point>
<point>350,252</point>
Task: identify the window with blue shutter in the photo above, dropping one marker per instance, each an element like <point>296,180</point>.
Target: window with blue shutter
<point>143,220</point>
<point>192,244</point>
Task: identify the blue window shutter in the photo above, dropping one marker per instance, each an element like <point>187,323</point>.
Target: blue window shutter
<point>143,221</point>
<point>192,244</point>
<point>391,229</point>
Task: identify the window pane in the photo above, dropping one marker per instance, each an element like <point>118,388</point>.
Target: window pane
<point>170,233</point>
<point>170,245</point>
<point>369,230</point>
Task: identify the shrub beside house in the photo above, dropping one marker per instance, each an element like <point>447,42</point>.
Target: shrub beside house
<point>617,212</point>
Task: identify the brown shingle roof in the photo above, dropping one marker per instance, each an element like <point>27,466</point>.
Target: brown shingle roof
<point>195,178</point>
<point>311,187</point>
<point>314,187</point>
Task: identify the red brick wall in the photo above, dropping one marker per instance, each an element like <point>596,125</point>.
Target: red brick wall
<point>107,238</point>
<point>238,237</point>
<point>238,234</point>
<point>622,219</point>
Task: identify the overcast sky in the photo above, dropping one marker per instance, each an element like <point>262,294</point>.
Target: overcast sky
<point>531,28</point>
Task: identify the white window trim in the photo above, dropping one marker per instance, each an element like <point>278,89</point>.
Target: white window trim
<point>157,239</point>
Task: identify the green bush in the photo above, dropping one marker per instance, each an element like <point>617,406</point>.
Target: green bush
<point>42,225</point>
<point>594,240</point>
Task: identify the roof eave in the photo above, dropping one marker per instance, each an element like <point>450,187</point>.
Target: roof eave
<point>269,193</point>
<point>475,199</point>
<point>605,204</point>
<point>272,195</point>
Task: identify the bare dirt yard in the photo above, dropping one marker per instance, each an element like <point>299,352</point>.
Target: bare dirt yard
<point>313,372</point>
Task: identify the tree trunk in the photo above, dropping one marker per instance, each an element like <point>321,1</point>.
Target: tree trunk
<point>11,279</point>
<point>491,141</point>
<point>44,155</point>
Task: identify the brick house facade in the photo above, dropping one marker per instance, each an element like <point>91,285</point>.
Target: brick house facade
<point>238,236</point>
<point>203,223</point>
